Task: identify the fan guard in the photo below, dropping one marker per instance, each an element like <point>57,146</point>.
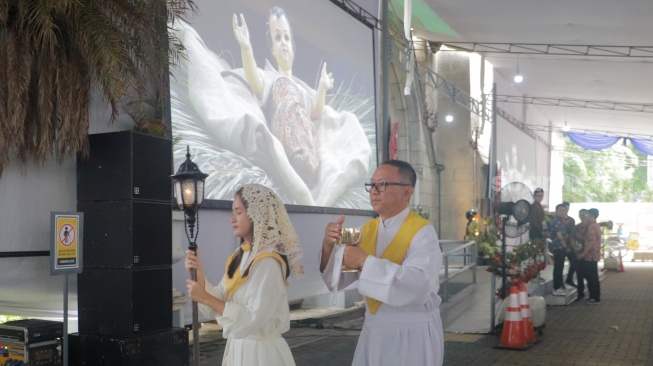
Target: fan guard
<point>513,195</point>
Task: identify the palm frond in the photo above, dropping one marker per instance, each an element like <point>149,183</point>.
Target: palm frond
<point>57,53</point>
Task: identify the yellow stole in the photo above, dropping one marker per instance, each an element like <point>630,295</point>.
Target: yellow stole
<point>396,250</point>
<point>232,284</point>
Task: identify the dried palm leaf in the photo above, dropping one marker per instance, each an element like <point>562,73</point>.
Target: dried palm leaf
<point>59,52</point>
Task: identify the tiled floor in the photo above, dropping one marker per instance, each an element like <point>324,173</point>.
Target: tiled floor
<point>617,332</point>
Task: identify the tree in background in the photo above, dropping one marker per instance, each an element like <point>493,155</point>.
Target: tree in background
<point>610,175</point>
<point>59,54</point>
<point>641,190</point>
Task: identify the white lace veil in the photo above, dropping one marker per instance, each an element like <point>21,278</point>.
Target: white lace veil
<point>273,231</point>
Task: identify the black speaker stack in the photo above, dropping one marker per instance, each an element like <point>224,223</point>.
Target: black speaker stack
<point>124,292</point>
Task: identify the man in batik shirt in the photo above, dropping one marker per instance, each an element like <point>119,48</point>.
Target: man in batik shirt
<point>589,258</point>
<point>559,246</point>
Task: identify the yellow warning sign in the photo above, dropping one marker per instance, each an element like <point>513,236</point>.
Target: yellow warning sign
<point>66,248</point>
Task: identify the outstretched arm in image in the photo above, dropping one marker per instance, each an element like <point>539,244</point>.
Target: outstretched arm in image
<point>325,84</point>
<point>252,72</point>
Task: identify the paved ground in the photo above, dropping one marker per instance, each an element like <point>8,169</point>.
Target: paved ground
<point>617,332</point>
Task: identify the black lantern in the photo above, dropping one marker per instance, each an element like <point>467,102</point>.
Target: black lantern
<point>189,194</point>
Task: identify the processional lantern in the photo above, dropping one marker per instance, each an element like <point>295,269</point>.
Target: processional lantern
<point>189,194</point>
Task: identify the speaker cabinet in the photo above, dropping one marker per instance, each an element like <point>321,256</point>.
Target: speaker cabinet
<point>127,234</point>
<point>125,165</point>
<point>166,348</point>
<point>124,302</point>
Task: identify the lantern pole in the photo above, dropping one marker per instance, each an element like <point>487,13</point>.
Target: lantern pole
<point>189,194</point>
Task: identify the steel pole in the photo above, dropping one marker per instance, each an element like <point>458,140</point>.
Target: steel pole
<point>196,326</point>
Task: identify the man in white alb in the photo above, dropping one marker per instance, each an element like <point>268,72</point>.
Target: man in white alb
<point>399,261</point>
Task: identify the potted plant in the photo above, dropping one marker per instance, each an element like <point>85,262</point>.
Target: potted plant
<point>486,242</point>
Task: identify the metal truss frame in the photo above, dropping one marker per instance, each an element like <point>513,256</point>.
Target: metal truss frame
<point>552,49</point>
<point>576,103</point>
<point>359,13</point>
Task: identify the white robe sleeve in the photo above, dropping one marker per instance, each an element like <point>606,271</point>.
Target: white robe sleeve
<point>410,283</point>
<point>346,278</point>
<point>265,289</point>
<point>217,292</point>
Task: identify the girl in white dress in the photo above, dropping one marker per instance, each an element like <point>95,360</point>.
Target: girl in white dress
<point>250,303</point>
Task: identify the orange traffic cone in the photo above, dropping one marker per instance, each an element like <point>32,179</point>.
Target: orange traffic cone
<point>529,333</point>
<point>621,263</point>
<point>512,336</point>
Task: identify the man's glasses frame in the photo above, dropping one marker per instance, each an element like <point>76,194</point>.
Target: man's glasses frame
<point>381,186</point>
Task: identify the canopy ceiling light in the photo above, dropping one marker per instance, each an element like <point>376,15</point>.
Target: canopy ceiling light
<point>452,101</point>
<point>565,128</point>
<point>518,77</point>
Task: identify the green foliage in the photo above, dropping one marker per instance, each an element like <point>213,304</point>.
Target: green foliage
<point>487,250</point>
<point>9,318</point>
<point>420,211</point>
<point>640,184</point>
<point>148,116</point>
<point>610,175</point>
<point>486,239</point>
<point>647,195</point>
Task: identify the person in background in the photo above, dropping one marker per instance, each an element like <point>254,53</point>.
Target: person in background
<point>589,258</point>
<point>570,223</point>
<point>471,230</point>
<point>399,262</point>
<point>580,231</point>
<point>560,245</point>
<point>251,303</point>
<point>537,229</point>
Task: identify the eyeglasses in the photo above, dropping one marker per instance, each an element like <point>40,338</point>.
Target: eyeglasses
<point>381,186</point>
